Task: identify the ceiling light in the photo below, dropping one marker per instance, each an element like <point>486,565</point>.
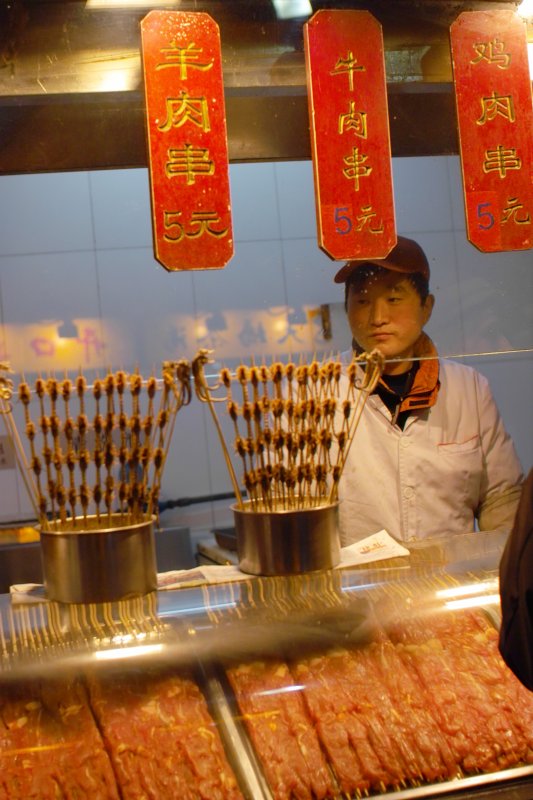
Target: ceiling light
<point>292,9</point>
<point>473,602</point>
<point>525,9</point>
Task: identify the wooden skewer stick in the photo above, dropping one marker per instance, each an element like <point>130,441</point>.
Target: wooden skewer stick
<point>148,426</point>
<point>203,393</point>
<point>83,452</point>
<point>47,453</point>
<point>24,393</point>
<point>373,370</point>
<point>98,427</point>
<point>52,388</point>
<point>121,381</point>
<point>6,393</point>
<point>181,388</point>
<point>71,458</point>
<point>109,446</point>
<point>134,453</point>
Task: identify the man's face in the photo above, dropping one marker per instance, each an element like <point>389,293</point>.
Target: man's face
<point>386,312</point>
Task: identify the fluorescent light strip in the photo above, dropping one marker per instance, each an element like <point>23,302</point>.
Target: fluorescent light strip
<point>470,588</point>
<point>127,652</point>
<point>472,602</point>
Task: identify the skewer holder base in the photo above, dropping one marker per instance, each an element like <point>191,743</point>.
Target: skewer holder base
<point>286,541</point>
<point>98,561</point>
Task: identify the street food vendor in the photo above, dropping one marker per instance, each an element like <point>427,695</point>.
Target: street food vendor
<point>431,455</point>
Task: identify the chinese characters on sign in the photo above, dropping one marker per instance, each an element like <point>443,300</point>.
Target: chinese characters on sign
<point>187,143</point>
<point>495,121</point>
<point>350,142</point>
<point>262,331</point>
<point>39,347</point>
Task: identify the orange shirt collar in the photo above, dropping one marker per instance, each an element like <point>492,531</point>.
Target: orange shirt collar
<point>425,388</point>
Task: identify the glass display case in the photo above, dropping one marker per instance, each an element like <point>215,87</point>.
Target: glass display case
<point>378,681</point>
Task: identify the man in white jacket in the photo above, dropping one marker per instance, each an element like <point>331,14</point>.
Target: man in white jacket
<point>430,455</point>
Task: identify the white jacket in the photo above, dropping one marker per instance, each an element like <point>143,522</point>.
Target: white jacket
<point>453,463</point>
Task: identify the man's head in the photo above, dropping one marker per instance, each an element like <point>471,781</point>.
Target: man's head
<point>407,256</point>
<point>388,302</point>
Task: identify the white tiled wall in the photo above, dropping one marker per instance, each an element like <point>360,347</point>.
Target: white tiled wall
<point>78,246</point>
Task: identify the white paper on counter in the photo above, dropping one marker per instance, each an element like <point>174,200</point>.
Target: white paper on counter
<point>28,593</point>
<point>177,578</point>
<point>376,547</point>
<point>207,574</point>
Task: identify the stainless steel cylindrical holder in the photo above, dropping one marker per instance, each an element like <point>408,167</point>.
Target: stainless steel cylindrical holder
<point>287,542</point>
<point>99,561</point>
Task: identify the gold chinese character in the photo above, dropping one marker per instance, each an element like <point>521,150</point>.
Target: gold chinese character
<point>203,220</point>
<point>356,168</point>
<point>173,228</point>
<point>363,220</point>
<point>353,121</point>
<point>495,105</point>
<point>183,108</point>
<point>493,52</point>
<point>184,58</point>
<point>510,212</point>
<point>501,160</point>
<point>189,161</point>
<point>348,65</point>
<point>175,231</point>
<point>42,346</point>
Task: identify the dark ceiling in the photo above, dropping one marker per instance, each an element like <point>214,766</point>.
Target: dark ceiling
<point>71,83</point>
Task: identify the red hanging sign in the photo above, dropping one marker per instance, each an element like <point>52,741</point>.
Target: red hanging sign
<point>495,120</point>
<point>187,142</point>
<point>350,142</point>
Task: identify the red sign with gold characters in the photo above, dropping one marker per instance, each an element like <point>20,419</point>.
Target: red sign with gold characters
<point>187,142</point>
<point>495,119</point>
<point>350,141</point>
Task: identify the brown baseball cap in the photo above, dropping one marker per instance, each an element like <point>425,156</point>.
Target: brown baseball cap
<point>406,256</point>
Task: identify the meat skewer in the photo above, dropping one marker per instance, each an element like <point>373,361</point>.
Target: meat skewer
<point>147,427</point>
<point>292,429</point>
<point>70,457</point>
<point>109,445</point>
<point>84,457</point>
<point>204,394</point>
<point>98,427</point>
<point>69,479</point>
<point>121,380</point>
<point>6,411</point>
<point>54,421</point>
<point>24,393</point>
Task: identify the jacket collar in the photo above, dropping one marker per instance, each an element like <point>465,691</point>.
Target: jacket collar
<point>425,387</point>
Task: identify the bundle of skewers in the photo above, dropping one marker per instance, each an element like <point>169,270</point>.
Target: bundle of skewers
<point>292,425</point>
<point>97,452</point>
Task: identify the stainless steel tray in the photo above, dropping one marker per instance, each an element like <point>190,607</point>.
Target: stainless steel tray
<point>238,747</point>
<point>242,757</point>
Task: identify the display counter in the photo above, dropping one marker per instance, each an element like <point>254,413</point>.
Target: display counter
<point>379,681</point>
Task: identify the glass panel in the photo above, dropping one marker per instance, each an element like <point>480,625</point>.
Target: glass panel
<point>87,259</point>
